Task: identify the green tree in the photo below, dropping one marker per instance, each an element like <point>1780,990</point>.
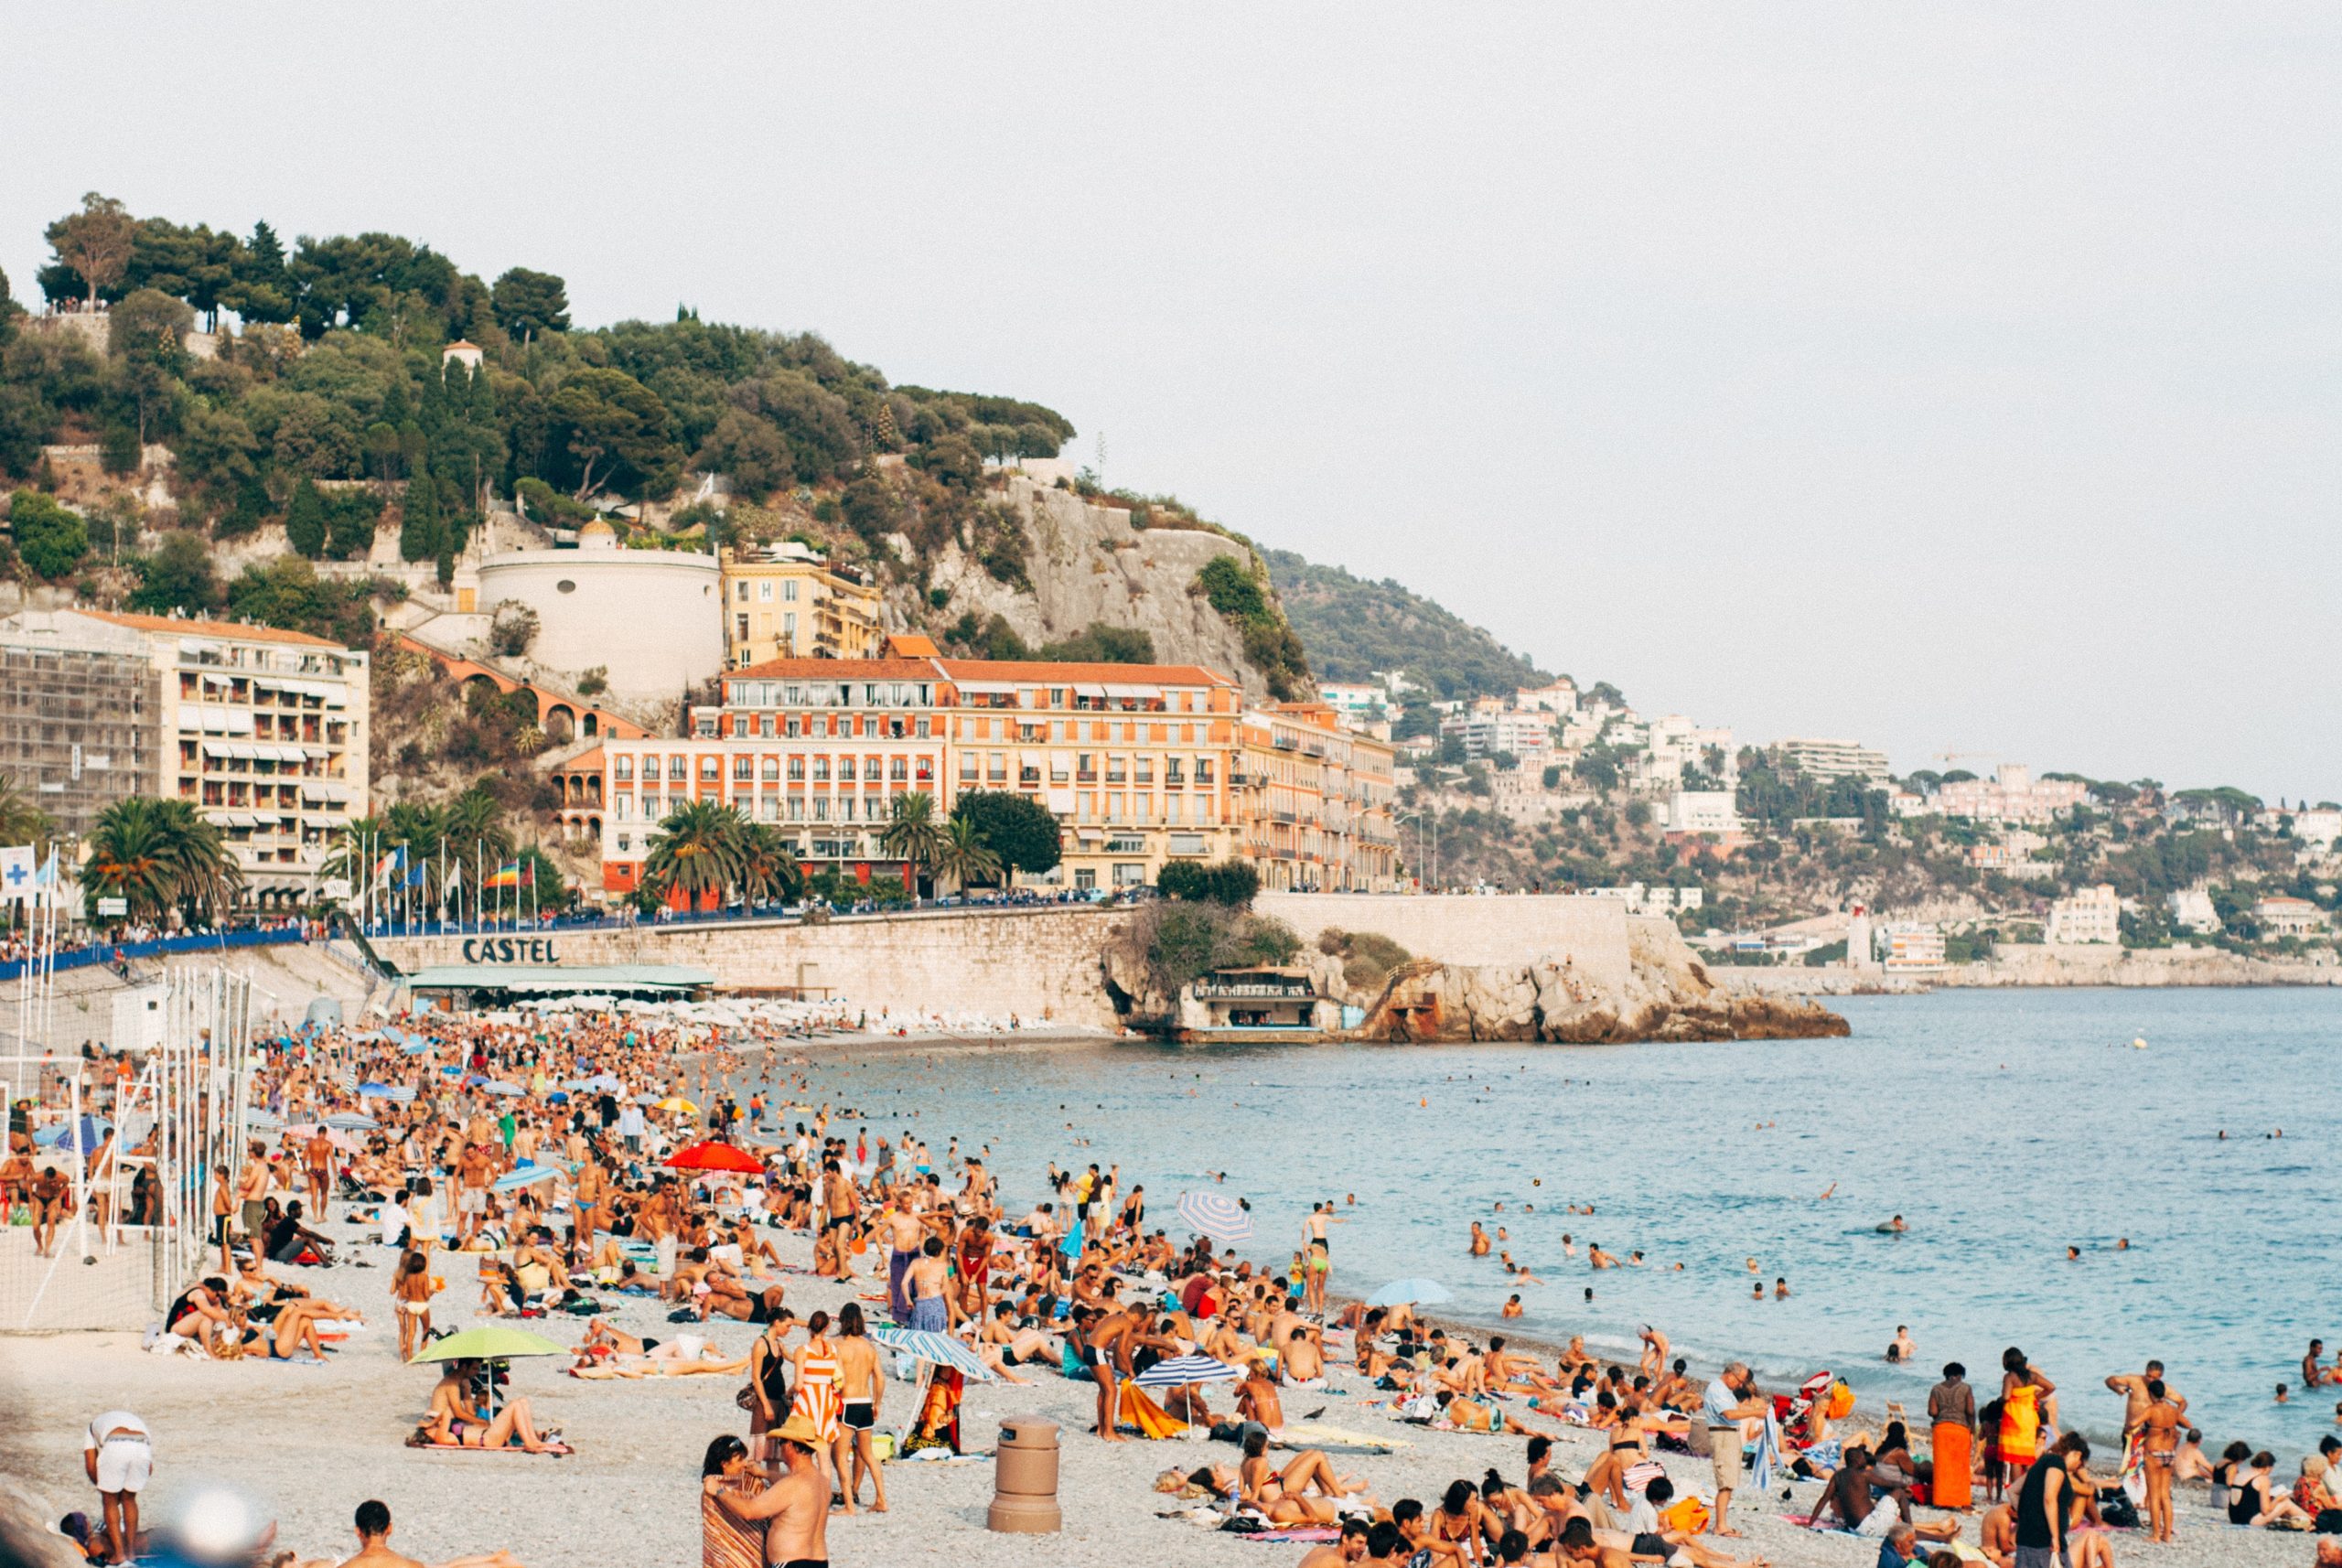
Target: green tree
<point>260,289</point>
<point>527,303</point>
<point>177,576</point>
<point>159,856</point>
<point>617,430</point>
<point>1018,829</point>
<point>22,822</point>
<point>421,529</point>
<point>696,851</point>
<point>50,539</point>
<point>95,243</point>
<point>912,834</point>
<point>304,520</point>
<point>768,872</point>
<point>963,857</point>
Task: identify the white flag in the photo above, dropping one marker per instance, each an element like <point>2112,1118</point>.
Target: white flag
<point>18,872</point>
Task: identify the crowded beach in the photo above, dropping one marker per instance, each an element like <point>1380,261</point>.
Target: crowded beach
<point>614,1282</point>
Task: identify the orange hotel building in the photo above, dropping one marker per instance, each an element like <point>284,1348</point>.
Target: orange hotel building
<point>1139,763</point>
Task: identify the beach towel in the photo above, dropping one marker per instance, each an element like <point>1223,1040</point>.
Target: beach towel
<point>1139,1411</point>
<point>1317,1435</point>
<point>1310,1535</point>
<point>1954,1457</point>
<point>726,1540</point>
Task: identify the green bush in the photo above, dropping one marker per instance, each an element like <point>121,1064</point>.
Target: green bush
<point>50,539</point>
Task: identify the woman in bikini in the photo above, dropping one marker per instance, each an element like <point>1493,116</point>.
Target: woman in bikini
<point>411,1298</point>
<point>454,1424</point>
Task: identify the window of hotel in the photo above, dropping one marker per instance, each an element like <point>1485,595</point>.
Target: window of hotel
<point>789,627</point>
<point>768,808</point>
<point>845,769</point>
<point>770,768</point>
<point>797,770</point>
<point>744,767</point>
<point>625,808</point>
<point>744,593</point>
<point>1187,843</point>
<point>1129,876</point>
<point>921,730</point>
<point>764,726</point>
<point>797,808</point>
<point>711,768</point>
<point>624,843</point>
<point>1084,877</point>
<point>626,767</point>
<point>788,727</point>
<point>821,769</point>
<point>1125,844</point>
<point>821,808</point>
<point>897,769</point>
<point>846,808</point>
<point>789,590</point>
<point>679,766</point>
<point>967,767</point>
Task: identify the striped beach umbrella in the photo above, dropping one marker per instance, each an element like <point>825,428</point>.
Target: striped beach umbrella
<point>1178,1370</point>
<point>926,1345</point>
<point>1216,1215</point>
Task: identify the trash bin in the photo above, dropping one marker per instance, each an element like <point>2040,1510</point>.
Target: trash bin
<point>1024,1478</point>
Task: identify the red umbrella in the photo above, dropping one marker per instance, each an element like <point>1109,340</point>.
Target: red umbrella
<point>714,1155</point>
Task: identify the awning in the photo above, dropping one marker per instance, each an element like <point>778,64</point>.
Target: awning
<point>217,748</point>
<point>987,688</point>
<point>1123,689</point>
<point>1088,689</point>
<point>323,789</point>
<point>1089,833</point>
<point>608,979</point>
<point>283,753</point>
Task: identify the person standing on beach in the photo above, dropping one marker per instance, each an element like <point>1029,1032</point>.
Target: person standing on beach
<point>251,1190</point>
<point>2132,1387</point>
<point>1320,1260</point>
<point>119,1457</point>
<point>2159,1428</point>
<point>798,1504</point>
<point>1951,1414</point>
<point>1731,1401</point>
<point>2022,1391</point>
<point>860,1390</point>
<point>2042,1503</point>
<point>903,1234</point>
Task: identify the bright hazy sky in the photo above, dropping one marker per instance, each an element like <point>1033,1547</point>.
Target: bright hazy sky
<point>1950,378</point>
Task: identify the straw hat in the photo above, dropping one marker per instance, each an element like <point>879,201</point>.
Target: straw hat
<point>798,1429</point>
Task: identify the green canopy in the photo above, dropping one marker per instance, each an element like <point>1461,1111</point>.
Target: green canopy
<point>488,1344</point>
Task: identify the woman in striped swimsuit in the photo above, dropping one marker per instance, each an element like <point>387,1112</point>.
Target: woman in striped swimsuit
<point>817,1392</point>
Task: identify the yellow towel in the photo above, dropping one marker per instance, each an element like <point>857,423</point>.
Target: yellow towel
<point>1151,1419</point>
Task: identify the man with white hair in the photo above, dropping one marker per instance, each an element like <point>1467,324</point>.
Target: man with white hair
<point>1731,1401</point>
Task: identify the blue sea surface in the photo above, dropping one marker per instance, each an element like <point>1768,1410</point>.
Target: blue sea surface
<point>2003,1125</point>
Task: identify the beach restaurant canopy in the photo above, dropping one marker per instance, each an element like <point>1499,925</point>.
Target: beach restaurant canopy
<point>493,984</point>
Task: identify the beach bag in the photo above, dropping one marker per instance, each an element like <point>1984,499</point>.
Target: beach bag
<point>2116,1508</point>
<point>1842,1400</point>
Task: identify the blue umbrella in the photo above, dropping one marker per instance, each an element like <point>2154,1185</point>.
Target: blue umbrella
<point>1215,1215</point>
<point>376,1090</point>
<point>415,1048</point>
<point>1410,1292</point>
<point>523,1176</point>
<point>558,1097</point>
<point>1176,1371</point>
<point>499,1087</point>
<point>92,1131</point>
<point>926,1345</point>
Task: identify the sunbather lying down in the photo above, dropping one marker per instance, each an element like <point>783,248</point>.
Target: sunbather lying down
<point>454,1424</point>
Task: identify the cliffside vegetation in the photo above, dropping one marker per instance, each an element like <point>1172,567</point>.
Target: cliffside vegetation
<point>1353,628</point>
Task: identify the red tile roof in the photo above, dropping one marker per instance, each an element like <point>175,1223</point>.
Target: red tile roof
<point>840,670</point>
<point>222,628</point>
<point>1042,672</point>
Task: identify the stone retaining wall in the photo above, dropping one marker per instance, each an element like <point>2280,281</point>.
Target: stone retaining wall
<point>1040,964</point>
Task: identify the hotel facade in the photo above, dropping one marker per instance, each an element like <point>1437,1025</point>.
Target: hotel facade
<point>1141,765</point>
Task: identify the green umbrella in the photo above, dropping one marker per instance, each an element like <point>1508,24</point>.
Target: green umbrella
<point>492,1343</point>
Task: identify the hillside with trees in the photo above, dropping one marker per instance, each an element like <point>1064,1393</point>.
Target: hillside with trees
<point>1352,627</point>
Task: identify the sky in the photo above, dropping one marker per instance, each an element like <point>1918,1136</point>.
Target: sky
<point>1954,379</point>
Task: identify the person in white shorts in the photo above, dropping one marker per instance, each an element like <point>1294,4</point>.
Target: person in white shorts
<point>119,1457</point>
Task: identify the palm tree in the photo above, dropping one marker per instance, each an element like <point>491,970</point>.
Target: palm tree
<point>963,855</point>
<point>913,835</point>
<point>157,855</point>
<point>767,870</point>
<point>206,878</point>
<point>21,821</point>
<point>696,851</point>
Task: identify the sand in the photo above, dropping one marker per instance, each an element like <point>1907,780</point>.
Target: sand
<point>310,1443</point>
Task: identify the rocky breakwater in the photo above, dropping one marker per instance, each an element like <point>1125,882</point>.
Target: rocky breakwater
<point>1668,994</point>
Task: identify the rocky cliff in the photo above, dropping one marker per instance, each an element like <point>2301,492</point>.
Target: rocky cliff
<point>1668,995</point>
<point>1084,564</point>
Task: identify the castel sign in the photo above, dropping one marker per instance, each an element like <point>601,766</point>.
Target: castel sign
<point>510,949</point>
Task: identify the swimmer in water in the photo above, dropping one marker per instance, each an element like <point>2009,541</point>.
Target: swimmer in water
<point>1780,1289</point>
<point>1478,1245</point>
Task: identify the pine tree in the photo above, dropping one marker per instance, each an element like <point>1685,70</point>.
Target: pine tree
<point>887,441</point>
<point>421,534</point>
<point>304,521</point>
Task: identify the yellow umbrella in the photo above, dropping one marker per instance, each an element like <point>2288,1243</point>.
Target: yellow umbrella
<point>677,1103</point>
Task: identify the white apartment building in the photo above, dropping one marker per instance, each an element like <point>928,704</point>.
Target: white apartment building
<point>2283,916</point>
<point>1703,812</point>
<point>1642,901</point>
<point>2321,826</point>
<point>1560,696</point>
<point>263,730</point>
<point>1354,700</point>
<point>1488,732</point>
<point>1834,758</point>
<point>2092,915</point>
<point>1914,947</point>
<point>2192,910</point>
<point>2010,795</point>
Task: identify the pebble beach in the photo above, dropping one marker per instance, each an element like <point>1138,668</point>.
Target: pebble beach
<point>307,1444</point>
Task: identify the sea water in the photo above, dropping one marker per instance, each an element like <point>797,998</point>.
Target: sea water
<point>2003,1126</point>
